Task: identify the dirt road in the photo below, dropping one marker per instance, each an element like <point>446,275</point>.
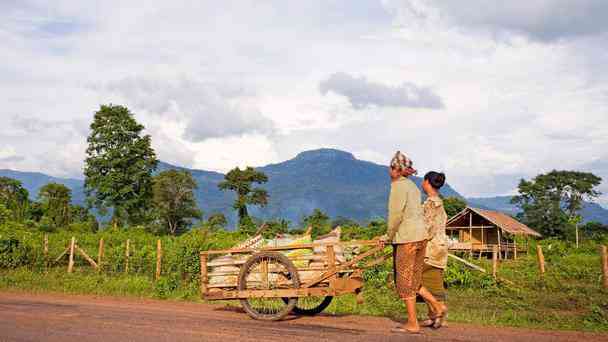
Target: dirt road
<point>49,317</point>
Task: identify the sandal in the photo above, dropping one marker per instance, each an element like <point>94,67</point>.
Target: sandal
<point>429,322</point>
<point>440,318</point>
<point>406,331</point>
<point>439,321</point>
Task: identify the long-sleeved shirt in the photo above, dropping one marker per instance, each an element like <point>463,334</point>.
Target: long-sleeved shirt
<point>405,217</point>
<point>435,220</point>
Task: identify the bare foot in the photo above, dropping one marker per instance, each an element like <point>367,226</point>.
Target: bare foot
<point>441,310</point>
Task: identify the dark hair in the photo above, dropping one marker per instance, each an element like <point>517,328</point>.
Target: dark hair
<point>436,179</point>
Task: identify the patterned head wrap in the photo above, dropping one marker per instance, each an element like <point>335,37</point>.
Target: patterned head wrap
<point>401,162</point>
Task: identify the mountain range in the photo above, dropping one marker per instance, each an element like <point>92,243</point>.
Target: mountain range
<point>331,180</point>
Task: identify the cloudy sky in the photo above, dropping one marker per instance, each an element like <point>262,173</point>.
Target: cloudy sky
<point>488,92</point>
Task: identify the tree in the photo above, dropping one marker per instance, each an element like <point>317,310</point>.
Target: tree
<point>594,230</point>
<point>343,222</point>
<point>55,202</point>
<point>453,205</point>
<point>174,200</point>
<point>119,165</point>
<point>241,181</point>
<point>319,221</point>
<point>82,215</point>
<point>14,197</point>
<point>216,221</point>
<point>550,202</point>
<point>275,227</point>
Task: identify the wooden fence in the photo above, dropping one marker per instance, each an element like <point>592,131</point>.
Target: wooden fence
<point>73,250</point>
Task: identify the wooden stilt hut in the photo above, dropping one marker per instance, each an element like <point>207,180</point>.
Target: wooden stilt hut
<point>477,231</point>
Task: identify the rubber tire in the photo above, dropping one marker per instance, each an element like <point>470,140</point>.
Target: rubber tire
<point>314,311</point>
<point>291,302</point>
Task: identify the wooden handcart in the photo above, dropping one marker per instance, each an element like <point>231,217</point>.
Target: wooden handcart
<point>269,285</point>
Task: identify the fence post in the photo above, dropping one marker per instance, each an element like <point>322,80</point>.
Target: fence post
<point>100,254</point>
<point>159,256</point>
<point>71,262</point>
<point>204,279</point>
<point>46,252</point>
<point>494,261</point>
<point>127,256</point>
<point>604,253</point>
<point>541,259</point>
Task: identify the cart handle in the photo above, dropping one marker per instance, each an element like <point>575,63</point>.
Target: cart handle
<point>343,266</point>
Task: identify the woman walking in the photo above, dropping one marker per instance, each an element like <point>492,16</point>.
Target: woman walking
<point>436,258</point>
<point>407,233</point>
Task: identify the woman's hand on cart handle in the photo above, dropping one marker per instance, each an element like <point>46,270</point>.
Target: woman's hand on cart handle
<point>382,240</point>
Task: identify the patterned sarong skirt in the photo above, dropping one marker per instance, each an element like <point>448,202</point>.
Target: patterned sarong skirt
<point>408,262</point>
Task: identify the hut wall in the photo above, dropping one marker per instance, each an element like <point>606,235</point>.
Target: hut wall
<point>491,236</point>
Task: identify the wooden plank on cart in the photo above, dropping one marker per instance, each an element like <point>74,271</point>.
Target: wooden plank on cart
<point>280,293</point>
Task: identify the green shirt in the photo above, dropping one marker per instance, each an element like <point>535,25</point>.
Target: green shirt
<point>405,216</point>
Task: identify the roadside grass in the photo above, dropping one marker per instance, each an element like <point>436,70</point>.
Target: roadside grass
<point>568,297</point>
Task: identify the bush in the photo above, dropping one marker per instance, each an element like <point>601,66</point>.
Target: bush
<point>13,253</point>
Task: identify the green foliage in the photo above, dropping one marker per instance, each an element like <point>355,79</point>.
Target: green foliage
<point>342,221</point>
<point>241,182</point>
<point>55,203</point>
<point>275,227</point>
<point>119,165</point>
<point>247,226</point>
<point>375,228</point>
<point>174,200</point>
<point>319,221</point>
<point>14,197</point>
<point>593,231</point>
<point>216,221</point>
<point>550,202</point>
<point>13,253</point>
<point>453,205</point>
<point>5,214</point>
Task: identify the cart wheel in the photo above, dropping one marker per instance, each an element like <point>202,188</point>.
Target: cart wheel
<point>310,306</point>
<point>268,271</point>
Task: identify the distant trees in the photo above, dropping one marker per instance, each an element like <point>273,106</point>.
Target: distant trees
<point>55,203</point>
<point>453,205</point>
<point>216,221</point>
<point>174,200</point>
<point>319,221</point>
<point>241,182</point>
<point>51,211</point>
<point>14,197</point>
<point>551,201</point>
<point>594,230</point>
<point>276,227</point>
<point>119,165</point>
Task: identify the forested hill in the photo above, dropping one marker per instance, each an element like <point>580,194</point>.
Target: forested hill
<point>331,180</point>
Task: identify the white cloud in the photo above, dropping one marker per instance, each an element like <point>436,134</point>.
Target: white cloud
<point>206,110</point>
<point>541,20</point>
<point>523,88</point>
<point>362,93</point>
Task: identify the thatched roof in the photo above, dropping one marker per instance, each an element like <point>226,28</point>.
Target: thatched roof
<point>499,219</point>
